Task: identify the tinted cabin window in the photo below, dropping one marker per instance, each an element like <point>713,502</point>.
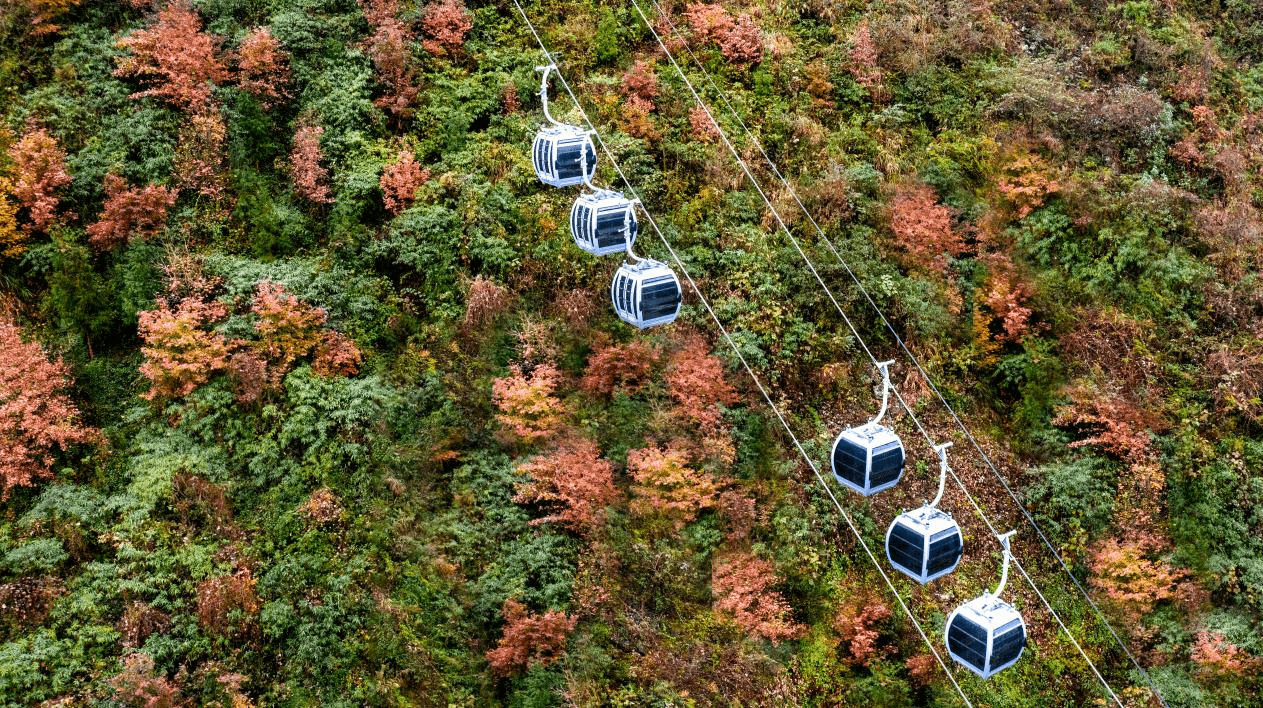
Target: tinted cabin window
<point>1008,643</point>
<point>906,548</point>
<point>624,295</point>
<point>944,552</point>
<point>849,461</point>
<point>541,164</point>
<point>568,160</point>
<point>659,297</point>
<point>887,464</point>
<point>609,227</point>
<point>968,640</point>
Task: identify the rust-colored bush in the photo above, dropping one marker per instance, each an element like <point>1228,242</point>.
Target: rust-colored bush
<point>389,48</point>
<point>445,24</point>
<point>924,227</point>
<point>640,85</point>
<point>180,353</point>
<point>401,180</point>
<point>263,67</point>
<point>174,58</point>
<point>620,367</point>
<point>742,585</point>
<point>139,685</point>
<point>530,639</point>
<point>666,487</point>
<point>39,170</point>
<point>573,483</point>
<point>129,213</point>
<point>322,507</point>
<point>139,621</point>
<point>310,177</point>
<point>200,157</point>
<point>35,415</point>
<point>226,604</point>
<point>529,412</point>
<point>1132,574</point>
<point>855,624</point>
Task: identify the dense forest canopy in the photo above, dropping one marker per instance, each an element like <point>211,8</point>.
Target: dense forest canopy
<point>307,396</point>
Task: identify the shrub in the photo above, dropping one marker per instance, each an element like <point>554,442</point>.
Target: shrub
<point>175,58</point>
<point>200,155</point>
<point>529,412</point>
<point>742,586</point>
<point>12,238</point>
<point>573,482</point>
<point>263,67</point>
<point>140,686</point>
<point>445,23</point>
<point>924,227</point>
<point>530,639</point>
<point>39,169</point>
<point>388,47</point>
<point>130,213</point>
<point>226,604</point>
<point>310,178</point>
<point>620,367</point>
<point>401,180</point>
<point>180,354</point>
<point>667,487</point>
<point>35,416</point>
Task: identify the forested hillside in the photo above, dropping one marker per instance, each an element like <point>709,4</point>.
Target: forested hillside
<point>307,396</point>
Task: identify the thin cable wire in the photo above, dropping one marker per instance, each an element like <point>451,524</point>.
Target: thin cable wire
<point>745,168</point>
<point>736,350</point>
<point>842,261</point>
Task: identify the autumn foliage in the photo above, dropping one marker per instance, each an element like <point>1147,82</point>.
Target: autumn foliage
<point>390,49</point>
<point>738,37</point>
<point>400,181</point>
<point>140,685</point>
<point>924,227</point>
<point>200,156</point>
<point>310,177</point>
<point>290,329</point>
<point>445,25</point>
<point>35,416</point>
<point>41,13</point>
<point>1132,575</point>
<point>529,411</point>
<point>666,487</point>
<point>742,585</point>
<point>39,169</point>
<point>130,213</point>
<point>226,604</point>
<point>530,639</point>
<point>855,624</point>
<point>263,67</point>
<point>174,58</point>
<point>625,368</point>
<point>180,353</point>
<point>12,238</point>
<point>573,482</point>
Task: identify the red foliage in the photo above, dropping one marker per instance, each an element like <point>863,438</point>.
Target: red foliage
<point>336,355</point>
<point>1216,656</point>
<point>445,23</point>
<point>39,168</point>
<point>222,596</point>
<point>1003,294</point>
<point>863,56</point>
<point>130,213</point>
<point>486,301</point>
<point>854,624</point>
<point>739,39</point>
<point>389,48</point>
<point>701,125</point>
<point>175,58</point>
<point>263,67</point>
<point>574,482</point>
<point>310,178</point>
<point>180,354</point>
<point>640,85</point>
<point>529,639</point>
<point>529,412</point>
<point>742,585</point>
<point>666,487</point>
<point>924,227</point>
<point>738,510</point>
<point>41,12</point>
<point>696,380</point>
<point>401,180</point>
<point>921,668</point>
<point>140,686</point>
<point>1025,184</point>
<point>509,98</point>
<point>620,367</point>
<point>35,416</point>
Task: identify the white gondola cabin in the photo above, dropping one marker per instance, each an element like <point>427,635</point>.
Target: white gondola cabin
<point>926,543</point>
<point>563,155</point>
<point>987,634</point>
<point>603,221</point>
<point>869,458</point>
<point>646,293</point>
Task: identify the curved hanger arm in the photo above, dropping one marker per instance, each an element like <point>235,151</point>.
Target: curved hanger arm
<point>1008,556</point>
<point>583,165</point>
<point>942,472</point>
<point>627,215</point>
<point>884,366</point>
<point>543,91</point>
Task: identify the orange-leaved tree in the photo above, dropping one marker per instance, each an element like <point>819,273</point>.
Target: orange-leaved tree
<point>400,181</point>
<point>130,213</point>
<point>573,482</point>
<point>35,415</point>
<point>310,177</point>
<point>666,487</point>
<point>263,67</point>
<point>39,169</point>
<point>529,412</point>
<point>619,367</point>
<point>924,227</point>
<point>530,639</point>
<point>174,58</point>
<point>445,24</point>
<point>390,49</point>
<point>290,329</point>
<point>742,585</point>
<point>180,353</point>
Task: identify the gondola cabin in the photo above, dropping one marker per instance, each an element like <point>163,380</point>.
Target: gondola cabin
<point>868,459</point>
<point>558,155</point>
<point>986,634</point>
<point>598,219</point>
<point>924,544</point>
<point>646,293</point>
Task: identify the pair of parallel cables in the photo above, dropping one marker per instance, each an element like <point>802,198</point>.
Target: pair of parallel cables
<point>767,397</point>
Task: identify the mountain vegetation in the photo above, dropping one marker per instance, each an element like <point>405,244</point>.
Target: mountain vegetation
<point>308,398</point>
